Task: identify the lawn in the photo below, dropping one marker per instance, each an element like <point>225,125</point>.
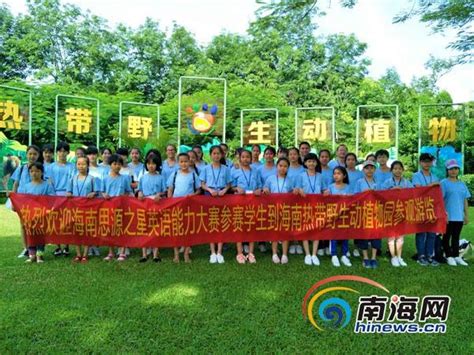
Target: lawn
<point>131,307</point>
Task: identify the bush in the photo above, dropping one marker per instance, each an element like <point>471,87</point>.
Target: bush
<point>469,180</point>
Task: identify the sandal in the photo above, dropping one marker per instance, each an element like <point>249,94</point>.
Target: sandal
<point>251,258</point>
<point>84,259</point>
<point>77,259</point>
<point>240,258</point>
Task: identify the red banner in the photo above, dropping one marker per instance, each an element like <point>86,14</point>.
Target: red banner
<point>127,221</point>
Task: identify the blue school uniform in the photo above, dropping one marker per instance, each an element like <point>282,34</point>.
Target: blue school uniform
<point>216,178</point>
<point>98,174</point>
<point>293,172</point>
<point>419,179</point>
<point>47,167</point>
<point>381,176</point>
<point>326,178</point>
<point>82,187</point>
<point>60,174</point>
<point>43,188</point>
<point>116,185</point>
<point>256,165</point>
<point>354,176</point>
<point>167,169</point>
<point>200,165</point>
<point>364,185</point>
<point>183,184</point>
<point>334,190</point>
<point>391,183</point>
<point>21,175</point>
<point>278,184</point>
<point>248,180</point>
<point>311,184</point>
<point>151,184</point>
<point>137,170</point>
<point>335,163</point>
<point>264,173</point>
<point>454,194</point>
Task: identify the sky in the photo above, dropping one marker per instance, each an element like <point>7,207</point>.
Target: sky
<point>405,47</point>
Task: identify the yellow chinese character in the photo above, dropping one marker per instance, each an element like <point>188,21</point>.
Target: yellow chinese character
<point>260,131</point>
<point>377,131</point>
<point>10,115</point>
<point>139,127</point>
<point>315,130</point>
<point>443,129</point>
<point>78,120</point>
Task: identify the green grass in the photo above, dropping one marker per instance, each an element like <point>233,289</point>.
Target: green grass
<point>130,307</point>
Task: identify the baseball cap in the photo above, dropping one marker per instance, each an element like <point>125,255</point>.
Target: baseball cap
<point>452,163</point>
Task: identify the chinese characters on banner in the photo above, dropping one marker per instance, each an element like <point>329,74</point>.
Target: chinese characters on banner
<point>10,117</point>
<point>198,219</point>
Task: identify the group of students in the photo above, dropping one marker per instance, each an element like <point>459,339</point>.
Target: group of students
<point>296,170</point>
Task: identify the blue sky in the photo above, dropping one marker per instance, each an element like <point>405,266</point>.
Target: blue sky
<point>405,47</point>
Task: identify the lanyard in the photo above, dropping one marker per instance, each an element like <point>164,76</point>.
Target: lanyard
<point>371,187</point>
<point>395,182</point>
<point>216,181</point>
<point>426,182</point>
<point>278,184</point>
<point>245,177</point>
<point>312,187</point>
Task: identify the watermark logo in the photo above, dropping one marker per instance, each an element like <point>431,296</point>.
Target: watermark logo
<point>374,313</point>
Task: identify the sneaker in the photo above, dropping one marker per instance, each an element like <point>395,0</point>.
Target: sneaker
<point>263,248</point>
<point>335,261</point>
<point>284,259</point>
<point>157,259</point>
<point>299,249</point>
<point>246,249</point>
<point>292,249</point>
<point>251,258</point>
<point>57,252</point>
<point>402,262</point>
<point>327,251</point>
<point>275,259</point>
<point>345,260</point>
<point>321,252</point>
<point>433,262</point>
<point>315,260</point>
<point>374,264</point>
<point>422,261</point>
<point>109,257</point>
<point>143,260</point>
<point>395,262</point>
<point>366,264</point>
<point>240,258</point>
<point>66,251</point>
<point>348,254</point>
<point>213,259</point>
<point>460,261</point>
<point>356,253</point>
<point>220,258</point>
<point>30,259</point>
<point>84,260</point>
<point>308,260</point>
<point>122,257</point>
<point>23,254</point>
<point>451,261</point>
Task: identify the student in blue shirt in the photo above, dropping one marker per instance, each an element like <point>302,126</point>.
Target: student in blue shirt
<point>354,174</point>
<point>21,176</point>
<point>368,182</point>
<point>383,172</point>
<point>82,184</point>
<point>94,170</point>
<point>425,241</point>
<point>269,168</point>
<point>200,163</point>
<point>455,195</point>
<point>326,171</point>
<point>48,158</point>
<point>339,187</point>
<point>151,185</point>
<point>225,151</point>
<point>309,182</point>
<point>256,151</point>
<point>305,148</point>
<point>36,186</point>
<point>60,172</point>
<point>280,183</point>
<point>183,182</point>
<point>216,181</point>
<point>135,165</point>
<point>116,184</point>
<point>170,164</point>
<point>340,157</point>
<point>246,181</point>
<point>397,181</point>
